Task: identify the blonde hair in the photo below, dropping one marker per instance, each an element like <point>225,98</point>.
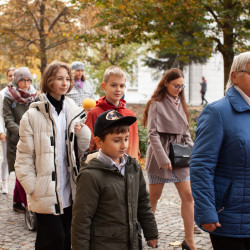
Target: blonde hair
<point>239,63</point>
<point>113,71</point>
<point>49,76</point>
<point>10,69</point>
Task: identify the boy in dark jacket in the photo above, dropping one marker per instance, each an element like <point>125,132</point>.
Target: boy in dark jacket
<point>111,196</point>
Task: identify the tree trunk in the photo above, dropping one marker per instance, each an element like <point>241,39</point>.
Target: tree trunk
<point>228,54</point>
<point>43,56</point>
<point>228,45</point>
<point>43,59</point>
<point>228,60</point>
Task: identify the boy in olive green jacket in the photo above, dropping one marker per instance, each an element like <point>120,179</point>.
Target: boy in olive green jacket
<point>111,196</point>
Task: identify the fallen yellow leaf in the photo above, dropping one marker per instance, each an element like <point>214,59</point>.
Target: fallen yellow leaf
<point>174,244</point>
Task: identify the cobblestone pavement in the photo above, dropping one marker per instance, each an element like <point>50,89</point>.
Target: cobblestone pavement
<point>15,235</point>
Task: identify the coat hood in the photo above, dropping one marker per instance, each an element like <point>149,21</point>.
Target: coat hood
<point>89,161</point>
<point>102,103</point>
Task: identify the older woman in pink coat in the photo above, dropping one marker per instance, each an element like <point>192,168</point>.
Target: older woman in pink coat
<point>166,116</point>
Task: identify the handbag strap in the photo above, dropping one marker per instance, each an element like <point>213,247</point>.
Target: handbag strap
<point>170,136</point>
<point>175,138</point>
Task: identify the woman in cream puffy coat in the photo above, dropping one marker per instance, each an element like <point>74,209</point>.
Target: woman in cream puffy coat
<point>52,137</point>
<point>37,161</point>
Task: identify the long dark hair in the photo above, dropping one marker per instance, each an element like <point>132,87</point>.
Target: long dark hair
<point>161,91</point>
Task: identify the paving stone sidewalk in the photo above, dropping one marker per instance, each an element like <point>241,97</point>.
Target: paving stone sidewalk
<point>14,234</point>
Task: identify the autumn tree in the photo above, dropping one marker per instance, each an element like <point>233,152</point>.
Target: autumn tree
<point>228,28</point>
<point>41,29</point>
<point>102,55</point>
<point>179,32</point>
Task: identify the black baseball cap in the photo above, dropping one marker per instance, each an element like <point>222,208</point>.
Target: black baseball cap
<point>111,117</point>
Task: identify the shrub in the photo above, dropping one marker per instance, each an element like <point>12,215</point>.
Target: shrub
<point>194,115</point>
<point>143,140</point>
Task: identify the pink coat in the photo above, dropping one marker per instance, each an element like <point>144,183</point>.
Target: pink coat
<point>165,122</point>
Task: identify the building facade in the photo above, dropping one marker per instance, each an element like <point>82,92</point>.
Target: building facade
<point>145,83</point>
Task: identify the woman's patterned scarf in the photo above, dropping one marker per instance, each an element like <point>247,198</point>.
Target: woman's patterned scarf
<point>79,83</point>
<point>175,100</point>
<point>19,95</point>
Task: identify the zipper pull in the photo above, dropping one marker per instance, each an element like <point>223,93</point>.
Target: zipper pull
<point>221,210</point>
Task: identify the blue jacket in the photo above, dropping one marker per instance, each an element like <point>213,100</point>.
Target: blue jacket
<point>220,166</point>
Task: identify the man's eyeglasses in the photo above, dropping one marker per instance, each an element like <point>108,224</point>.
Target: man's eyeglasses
<point>245,71</point>
<point>178,86</point>
<point>26,80</point>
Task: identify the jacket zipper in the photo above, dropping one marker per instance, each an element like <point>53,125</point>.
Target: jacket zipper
<point>220,210</point>
<point>69,148</point>
<point>74,119</point>
<point>47,108</point>
<point>225,199</point>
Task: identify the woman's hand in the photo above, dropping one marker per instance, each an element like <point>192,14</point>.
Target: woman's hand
<point>152,243</point>
<point>2,136</point>
<point>78,128</point>
<point>210,227</point>
<point>168,166</point>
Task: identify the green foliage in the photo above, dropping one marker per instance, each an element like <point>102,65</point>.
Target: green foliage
<point>102,55</point>
<point>178,32</point>
<point>193,120</point>
<point>173,27</point>
<point>143,140</point>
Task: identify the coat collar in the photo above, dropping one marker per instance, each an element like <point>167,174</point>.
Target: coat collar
<point>102,103</point>
<point>131,165</point>
<point>169,119</point>
<point>237,100</point>
<point>45,107</point>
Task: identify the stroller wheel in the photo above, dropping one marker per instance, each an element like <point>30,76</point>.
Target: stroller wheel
<point>30,220</point>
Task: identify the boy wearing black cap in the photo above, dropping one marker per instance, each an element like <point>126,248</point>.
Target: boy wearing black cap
<point>111,196</point>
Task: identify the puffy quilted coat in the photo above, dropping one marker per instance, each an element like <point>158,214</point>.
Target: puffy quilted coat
<point>220,166</point>
<point>108,207</point>
<point>36,164</point>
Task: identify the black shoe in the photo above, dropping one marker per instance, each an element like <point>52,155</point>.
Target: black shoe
<point>185,246</point>
<point>18,207</point>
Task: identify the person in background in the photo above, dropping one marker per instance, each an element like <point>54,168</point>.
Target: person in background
<point>111,196</point>
<point>88,104</point>
<point>19,94</point>
<point>82,89</point>
<point>166,117</point>
<point>52,138</point>
<point>203,90</point>
<point>4,166</point>
<point>114,84</point>
<point>220,163</point>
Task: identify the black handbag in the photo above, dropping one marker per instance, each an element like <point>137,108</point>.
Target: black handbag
<point>179,154</point>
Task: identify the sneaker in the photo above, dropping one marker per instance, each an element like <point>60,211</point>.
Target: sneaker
<point>5,187</point>
<point>18,207</point>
